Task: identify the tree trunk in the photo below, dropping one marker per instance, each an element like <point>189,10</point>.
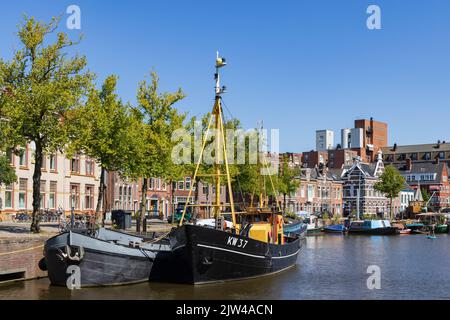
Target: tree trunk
<point>392,209</point>
<point>284,204</point>
<point>172,204</point>
<point>101,195</point>
<point>35,228</point>
<point>140,220</point>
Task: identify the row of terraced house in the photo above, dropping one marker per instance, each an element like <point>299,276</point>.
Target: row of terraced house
<point>73,183</point>
<point>338,179</point>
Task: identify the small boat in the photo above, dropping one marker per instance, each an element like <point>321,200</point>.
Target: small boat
<point>441,228</point>
<point>414,226</point>
<point>405,231</point>
<point>431,237</point>
<point>295,227</point>
<point>433,221</point>
<point>372,227</point>
<point>338,228</point>
<point>104,257</point>
<point>313,227</point>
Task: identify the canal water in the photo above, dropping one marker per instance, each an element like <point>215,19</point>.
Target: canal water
<point>329,267</point>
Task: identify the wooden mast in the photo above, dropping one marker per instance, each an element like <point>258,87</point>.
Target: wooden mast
<point>220,150</point>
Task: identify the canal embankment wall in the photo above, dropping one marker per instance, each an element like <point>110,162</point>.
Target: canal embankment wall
<point>19,257</point>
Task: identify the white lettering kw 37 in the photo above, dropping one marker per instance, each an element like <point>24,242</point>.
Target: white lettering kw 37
<point>236,242</point>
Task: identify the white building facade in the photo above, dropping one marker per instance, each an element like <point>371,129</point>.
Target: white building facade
<point>324,140</point>
<point>65,183</point>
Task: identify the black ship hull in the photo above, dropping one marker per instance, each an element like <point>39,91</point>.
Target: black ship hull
<point>100,262</point>
<point>203,255</point>
<point>375,231</point>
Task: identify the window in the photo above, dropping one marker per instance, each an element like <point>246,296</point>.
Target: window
<point>180,185</point>
<point>89,167</point>
<point>188,183</point>
<point>174,185</point>
<point>9,192</point>
<point>52,160</point>
<point>23,193</point>
<point>413,156</point>
<point>427,156</point>
<point>441,155</point>
<point>89,198</point>
<point>75,196</point>
<point>42,190</point>
<point>205,189</point>
<point>23,161</point>
<point>152,183</point>
<point>75,164</point>
<point>52,195</point>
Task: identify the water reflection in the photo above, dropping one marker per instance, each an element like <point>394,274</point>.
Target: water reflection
<point>330,267</point>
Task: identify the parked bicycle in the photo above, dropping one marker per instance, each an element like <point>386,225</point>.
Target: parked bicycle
<point>22,216</point>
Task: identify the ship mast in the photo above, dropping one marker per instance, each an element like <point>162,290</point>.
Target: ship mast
<point>220,149</point>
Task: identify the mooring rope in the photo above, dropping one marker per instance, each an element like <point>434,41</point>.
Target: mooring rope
<point>23,250</point>
<point>157,239</point>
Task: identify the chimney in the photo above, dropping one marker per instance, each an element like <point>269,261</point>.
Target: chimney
<point>408,164</point>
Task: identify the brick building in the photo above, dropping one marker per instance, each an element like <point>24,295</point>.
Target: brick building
<point>314,159</point>
<point>375,137</point>
<point>432,177</point>
<point>339,158</point>
<point>319,191</point>
<point>432,152</point>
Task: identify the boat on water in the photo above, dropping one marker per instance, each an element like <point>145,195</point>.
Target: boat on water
<point>337,228</point>
<point>296,227</point>
<point>104,257</point>
<point>433,221</point>
<point>414,226</point>
<point>372,227</point>
<point>313,225</point>
<point>254,245</point>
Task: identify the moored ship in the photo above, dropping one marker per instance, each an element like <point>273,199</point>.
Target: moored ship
<point>103,257</point>
<point>254,246</point>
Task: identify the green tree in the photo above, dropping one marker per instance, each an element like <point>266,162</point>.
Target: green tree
<point>7,173</point>
<point>161,119</point>
<point>288,182</point>
<point>390,184</point>
<point>43,84</point>
<point>107,131</point>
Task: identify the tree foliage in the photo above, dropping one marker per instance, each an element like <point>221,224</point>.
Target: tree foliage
<point>7,173</point>
<point>288,181</point>
<point>156,110</point>
<point>390,184</point>
<point>106,130</point>
<point>41,85</point>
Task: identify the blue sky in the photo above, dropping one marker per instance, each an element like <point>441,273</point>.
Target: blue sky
<point>297,65</point>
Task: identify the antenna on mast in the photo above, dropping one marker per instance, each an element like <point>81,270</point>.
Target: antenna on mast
<point>220,62</point>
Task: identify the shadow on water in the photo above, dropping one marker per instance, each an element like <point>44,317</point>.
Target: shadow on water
<point>329,267</point>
